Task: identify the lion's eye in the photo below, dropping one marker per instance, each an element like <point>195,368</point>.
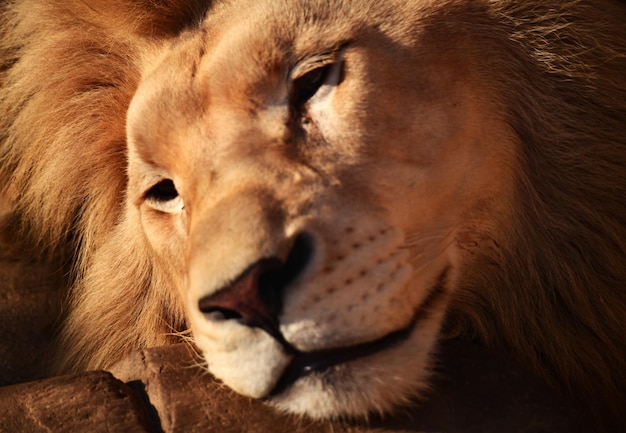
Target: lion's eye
<point>307,85</point>
<point>164,197</point>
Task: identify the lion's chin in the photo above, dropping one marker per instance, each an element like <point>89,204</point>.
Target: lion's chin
<point>367,377</point>
<point>306,363</point>
<point>374,383</point>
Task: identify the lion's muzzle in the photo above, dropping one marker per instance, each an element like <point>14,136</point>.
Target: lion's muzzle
<point>255,298</point>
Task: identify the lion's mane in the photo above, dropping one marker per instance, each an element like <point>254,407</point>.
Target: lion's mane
<point>565,269</point>
<point>554,296</point>
<point>71,69</point>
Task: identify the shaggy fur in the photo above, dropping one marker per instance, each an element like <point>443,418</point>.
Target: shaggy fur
<point>66,177</point>
<point>554,296</point>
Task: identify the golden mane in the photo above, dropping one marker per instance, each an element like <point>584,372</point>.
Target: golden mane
<point>69,70</point>
<point>67,73</point>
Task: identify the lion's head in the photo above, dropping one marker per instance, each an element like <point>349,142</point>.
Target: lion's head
<point>327,183</point>
<point>319,190</point>
<point>317,197</point>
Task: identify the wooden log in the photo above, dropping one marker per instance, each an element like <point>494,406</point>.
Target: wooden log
<point>477,391</point>
<point>91,402</point>
<point>188,399</point>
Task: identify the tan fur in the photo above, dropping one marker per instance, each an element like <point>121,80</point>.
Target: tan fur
<point>538,253</point>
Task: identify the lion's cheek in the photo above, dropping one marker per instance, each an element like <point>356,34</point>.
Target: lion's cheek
<point>357,297</point>
<point>166,234</point>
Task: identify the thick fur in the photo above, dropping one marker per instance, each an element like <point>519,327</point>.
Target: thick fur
<point>553,294</point>
<point>66,207</point>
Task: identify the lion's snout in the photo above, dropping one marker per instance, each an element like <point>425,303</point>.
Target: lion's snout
<point>255,297</point>
<point>237,325</point>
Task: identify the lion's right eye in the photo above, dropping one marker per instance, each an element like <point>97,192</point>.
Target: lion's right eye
<point>164,197</point>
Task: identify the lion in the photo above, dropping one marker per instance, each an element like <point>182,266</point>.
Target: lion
<point>319,192</point>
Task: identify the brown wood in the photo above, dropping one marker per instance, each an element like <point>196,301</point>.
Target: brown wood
<point>478,391</point>
<point>92,402</point>
<point>187,399</point>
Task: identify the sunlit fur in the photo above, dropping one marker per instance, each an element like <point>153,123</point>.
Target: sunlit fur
<point>553,294</point>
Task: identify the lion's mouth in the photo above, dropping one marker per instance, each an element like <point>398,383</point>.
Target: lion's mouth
<point>305,363</point>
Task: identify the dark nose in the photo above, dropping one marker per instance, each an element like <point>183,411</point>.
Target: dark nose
<point>256,296</point>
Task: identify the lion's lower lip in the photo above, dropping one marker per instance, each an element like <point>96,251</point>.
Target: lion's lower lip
<point>305,363</point>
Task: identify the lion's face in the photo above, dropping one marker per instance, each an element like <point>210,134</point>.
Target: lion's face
<point>319,189</point>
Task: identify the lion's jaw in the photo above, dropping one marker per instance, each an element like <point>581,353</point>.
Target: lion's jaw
<point>371,186</point>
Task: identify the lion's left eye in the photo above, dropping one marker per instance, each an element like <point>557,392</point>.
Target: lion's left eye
<point>307,85</point>
<point>164,197</point>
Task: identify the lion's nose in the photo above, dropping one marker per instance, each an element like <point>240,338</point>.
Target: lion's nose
<point>255,297</point>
